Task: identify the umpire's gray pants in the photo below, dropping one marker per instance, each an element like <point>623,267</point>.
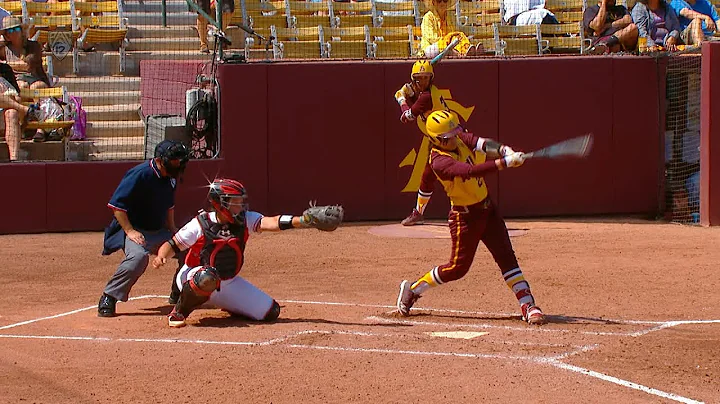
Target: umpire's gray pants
<point>137,258</point>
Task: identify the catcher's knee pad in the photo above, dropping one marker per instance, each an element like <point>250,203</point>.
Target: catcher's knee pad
<point>205,281</point>
<point>273,313</point>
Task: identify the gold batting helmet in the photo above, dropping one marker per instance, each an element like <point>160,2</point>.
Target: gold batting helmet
<point>442,125</point>
<point>422,67</point>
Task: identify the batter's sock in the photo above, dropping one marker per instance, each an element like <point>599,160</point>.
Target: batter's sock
<point>422,200</point>
<point>426,282</point>
<point>516,282</point>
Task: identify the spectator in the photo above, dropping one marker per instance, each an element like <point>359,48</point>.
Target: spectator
<point>208,6</point>
<point>26,59</point>
<point>439,29</point>
<point>611,28</point>
<point>657,22</point>
<point>23,55</point>
<point>14,112</point>
<point>527,12</point>
<point>698,20</point>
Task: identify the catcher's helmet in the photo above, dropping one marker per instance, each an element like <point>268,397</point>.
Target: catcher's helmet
<point>169,150</point>
<point>442,125</point>
<point>221,191</point>
<point>422,67</point>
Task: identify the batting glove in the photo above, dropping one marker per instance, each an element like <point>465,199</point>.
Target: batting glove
<point>407,116</point>
<point>514,160</point>
<point>506,151</point>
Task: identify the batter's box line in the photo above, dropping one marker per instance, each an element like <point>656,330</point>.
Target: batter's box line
<point>554,361</point>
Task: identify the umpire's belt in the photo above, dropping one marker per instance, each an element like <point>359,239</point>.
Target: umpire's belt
<point>469,208</point>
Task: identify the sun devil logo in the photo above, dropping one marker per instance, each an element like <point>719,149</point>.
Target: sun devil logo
<point>419,158</point>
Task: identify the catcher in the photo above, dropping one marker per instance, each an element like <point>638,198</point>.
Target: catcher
<point>216,242</point>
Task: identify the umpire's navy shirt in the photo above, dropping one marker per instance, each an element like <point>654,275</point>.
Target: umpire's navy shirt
<point>146,197</point>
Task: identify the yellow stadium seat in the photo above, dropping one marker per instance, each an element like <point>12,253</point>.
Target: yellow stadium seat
<point>566,11</point>
<point>28,95</point>
<point>296,43</point>
<point>485,12</point>
<point>518,40</point>
<point>565,36</point>
<point>344,14</point>
<point>481,34</point>
<point>396,14</point>
<point>110,27</point>
<point>306,14</point>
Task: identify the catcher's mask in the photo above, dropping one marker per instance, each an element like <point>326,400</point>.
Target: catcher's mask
<point>442,126</point>
<point>422,67</point>
<point>227,195</point>
<point>174,156</point>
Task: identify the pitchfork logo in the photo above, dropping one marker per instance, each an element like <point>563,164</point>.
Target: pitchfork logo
<point>60,43</point>
<point>419,158</point>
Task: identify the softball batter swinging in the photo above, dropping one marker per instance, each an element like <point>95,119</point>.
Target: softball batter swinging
<point>216,242</point>
<point>458,159</point>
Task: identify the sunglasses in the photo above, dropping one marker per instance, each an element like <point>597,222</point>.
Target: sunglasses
<point>441,1</point>
<point>13,29</point>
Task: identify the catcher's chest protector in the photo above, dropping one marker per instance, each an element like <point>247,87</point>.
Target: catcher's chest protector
<point>223,246</point>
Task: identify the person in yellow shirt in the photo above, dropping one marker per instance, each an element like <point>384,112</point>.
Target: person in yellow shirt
<point>439,29</point>
<point>458,159</point>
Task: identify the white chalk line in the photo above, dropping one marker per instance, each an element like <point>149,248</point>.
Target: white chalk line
<point>554,361</point>
<point>5,327</point>
<point>624,383</point>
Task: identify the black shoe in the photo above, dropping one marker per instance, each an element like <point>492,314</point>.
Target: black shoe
<point>174,296</point>
<point>106,307</point>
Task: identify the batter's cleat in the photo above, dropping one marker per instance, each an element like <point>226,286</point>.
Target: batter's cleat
<point>532,314</point>
<point>406,298</point>
<point>176,320</point>
<point>106,306</point>
<point>414,218</point>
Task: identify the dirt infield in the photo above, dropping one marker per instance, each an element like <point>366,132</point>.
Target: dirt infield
<point>632,305</point>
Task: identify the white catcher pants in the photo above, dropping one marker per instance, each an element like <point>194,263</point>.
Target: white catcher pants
<point>236,295</point>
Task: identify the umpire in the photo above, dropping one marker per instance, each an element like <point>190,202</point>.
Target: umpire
<point>143,206</point>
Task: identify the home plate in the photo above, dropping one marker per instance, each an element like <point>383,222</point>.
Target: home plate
<point>457,334</point>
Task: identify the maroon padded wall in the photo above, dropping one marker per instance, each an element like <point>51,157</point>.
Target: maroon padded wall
<point>710,135</point>
<point>292,132</point>
<point>331,131</point>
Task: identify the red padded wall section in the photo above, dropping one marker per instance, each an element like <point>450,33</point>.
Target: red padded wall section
<point>542,103</point>
<point>638,145</point>
<point>244,121</point>
<point>325,136</point>
<point>25,198</point>
<point>330,131</point>
<point>710,136</point>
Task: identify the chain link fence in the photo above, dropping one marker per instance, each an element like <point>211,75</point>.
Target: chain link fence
<point>682,138</point>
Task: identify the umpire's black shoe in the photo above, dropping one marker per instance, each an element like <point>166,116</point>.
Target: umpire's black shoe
<point>106,307</point>
<point>174,297</point>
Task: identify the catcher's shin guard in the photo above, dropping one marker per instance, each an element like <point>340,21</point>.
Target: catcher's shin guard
<point>197,290</point>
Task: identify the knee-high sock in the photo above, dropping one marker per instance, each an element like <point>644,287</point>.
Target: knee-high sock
<point>422,200</point>
<point>516,282</point>
<point>426,282</point>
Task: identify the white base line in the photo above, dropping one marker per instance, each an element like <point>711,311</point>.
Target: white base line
<point>552,360</point>
<point>5,327</point>
<point>624,383</point>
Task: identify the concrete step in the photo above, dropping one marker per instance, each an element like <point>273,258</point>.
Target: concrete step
<point>160,44</point>
<point>158,31</point>
<point>108,129</point>
<point>172,6</point>
<point>107,97</point>
<point>101,85</point>
<point>117,112</point>
<point>142,18</point>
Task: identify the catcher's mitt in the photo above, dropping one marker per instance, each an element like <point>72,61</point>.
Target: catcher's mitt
<point>325,218</point>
